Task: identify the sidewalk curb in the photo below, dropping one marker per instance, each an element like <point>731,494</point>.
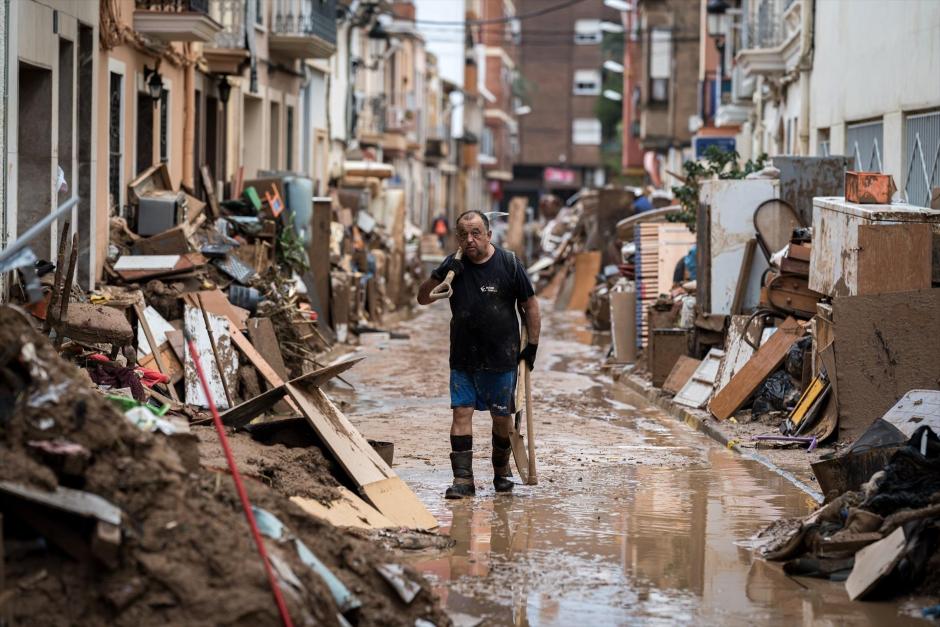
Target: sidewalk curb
<point>697,419</point>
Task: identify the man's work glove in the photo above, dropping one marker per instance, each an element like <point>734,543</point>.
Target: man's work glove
<point>454,265</point>
<point>528,354</point>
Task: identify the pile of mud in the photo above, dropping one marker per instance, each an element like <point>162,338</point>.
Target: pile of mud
<point>186,556</point>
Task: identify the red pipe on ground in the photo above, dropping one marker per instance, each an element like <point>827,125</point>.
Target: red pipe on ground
<point>239,486</point>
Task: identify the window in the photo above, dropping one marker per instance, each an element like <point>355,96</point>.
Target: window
<point>487,146</point>
<point>115,138</point>
<point>587,82</point>
<point>275,136</point>
<point>587,32</point>
<point>822,142</point>
<point>660,64</point>
<point>290,138</point>
<point>863,141</point>
<point>586,132</point>
<point>922,146</point>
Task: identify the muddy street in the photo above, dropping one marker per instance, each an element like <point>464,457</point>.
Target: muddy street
<point>636,518</point>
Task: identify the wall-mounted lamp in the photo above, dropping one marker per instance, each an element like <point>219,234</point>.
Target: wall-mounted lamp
<point>225,88</point>
<point>154,83</point>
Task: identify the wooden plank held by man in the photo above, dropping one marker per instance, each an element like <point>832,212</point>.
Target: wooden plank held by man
<point>486,287</point>
<point>523,453</point>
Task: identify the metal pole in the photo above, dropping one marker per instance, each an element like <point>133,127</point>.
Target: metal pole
<point>36,229</point>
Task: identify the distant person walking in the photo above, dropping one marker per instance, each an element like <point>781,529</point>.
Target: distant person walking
<point>644,202</point>
<point>441,229</point>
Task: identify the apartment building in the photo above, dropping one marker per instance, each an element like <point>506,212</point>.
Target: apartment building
<point>50,96</point>
<point>800,72</point>
<point>891,124</point>
<point>561,81</point>
<point>665,91</point>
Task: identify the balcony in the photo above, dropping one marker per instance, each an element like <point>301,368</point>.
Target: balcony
<point>399,119</point>
<point>435,149</point>
<point>175,20</point>
<point>303,29</point>
<point>228,49</point>
<point>771,44</point>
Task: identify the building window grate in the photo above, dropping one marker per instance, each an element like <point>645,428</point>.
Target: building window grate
<point>923,157</point>
<point>164,122</point>
<point>864,142</point>
<point>114,138</point>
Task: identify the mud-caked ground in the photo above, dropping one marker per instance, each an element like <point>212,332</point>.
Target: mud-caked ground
<point>635,518</point>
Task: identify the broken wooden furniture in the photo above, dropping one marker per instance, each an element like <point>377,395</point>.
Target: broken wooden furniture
<point>83,322</point>
<point>375,479</point>
<point>698,389</point>
<point>660,246</point>
<point>760,366</point>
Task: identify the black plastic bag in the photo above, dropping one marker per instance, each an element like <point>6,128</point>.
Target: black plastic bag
<point>794,362</point>
<point>777,393</point>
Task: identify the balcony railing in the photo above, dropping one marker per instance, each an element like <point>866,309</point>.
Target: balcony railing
<point>231,15</point>
<point>764,27</point>
<point>173,6</point>
<point>303,28</point>
<point>175,20</point>
<point>770,43</point>
<point>396,119</point>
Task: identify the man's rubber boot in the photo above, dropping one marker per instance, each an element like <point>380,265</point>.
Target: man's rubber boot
<point>462,464</point>
<point>501,470</point>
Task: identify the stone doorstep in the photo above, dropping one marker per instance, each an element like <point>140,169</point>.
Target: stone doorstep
<point>800,475</point>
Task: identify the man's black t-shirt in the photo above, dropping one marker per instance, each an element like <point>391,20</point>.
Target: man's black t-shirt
<point>484,329</point>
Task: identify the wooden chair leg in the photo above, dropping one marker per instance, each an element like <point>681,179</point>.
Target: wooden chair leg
<point>69,276</point>
<point>55,295</point>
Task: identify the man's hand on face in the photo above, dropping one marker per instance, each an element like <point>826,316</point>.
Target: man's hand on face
<point>528,354</point>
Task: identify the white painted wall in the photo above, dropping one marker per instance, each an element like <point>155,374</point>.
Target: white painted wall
<point>339,84</point>
<point>874,59</point>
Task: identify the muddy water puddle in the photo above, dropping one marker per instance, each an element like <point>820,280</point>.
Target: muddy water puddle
<point>637,519</point>
<point>621,544</point>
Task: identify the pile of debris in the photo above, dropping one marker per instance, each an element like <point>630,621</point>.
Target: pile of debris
<point>776,310</point>
<point>107,519</point>
<point>881,539</point>
<point>116,507</point>
<point>583,255</point>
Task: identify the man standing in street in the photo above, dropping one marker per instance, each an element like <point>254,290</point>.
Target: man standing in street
<point>489,286</point>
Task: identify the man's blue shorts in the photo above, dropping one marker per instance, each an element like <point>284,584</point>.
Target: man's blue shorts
<point>493,391</point>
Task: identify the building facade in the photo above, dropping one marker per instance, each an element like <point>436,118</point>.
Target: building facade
<point>51,63</point>
<point>891,124</point>
<point>562,80</point>
<point>666,88</point>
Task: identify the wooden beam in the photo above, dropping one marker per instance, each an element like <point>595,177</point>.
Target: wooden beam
<point>155,349</point>
<point>746,381</point>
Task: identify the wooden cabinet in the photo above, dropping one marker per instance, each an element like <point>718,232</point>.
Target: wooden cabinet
<point>871,249</point>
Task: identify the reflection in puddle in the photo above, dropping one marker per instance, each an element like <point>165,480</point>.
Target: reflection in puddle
<point>655,545</point>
